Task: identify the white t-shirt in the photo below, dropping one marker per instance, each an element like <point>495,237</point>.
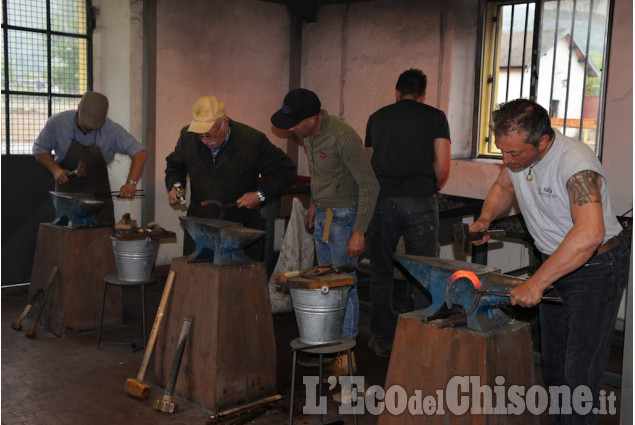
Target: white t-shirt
<point>544,201</point>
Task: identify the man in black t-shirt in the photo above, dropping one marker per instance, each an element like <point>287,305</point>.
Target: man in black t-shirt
<point>408,143</point>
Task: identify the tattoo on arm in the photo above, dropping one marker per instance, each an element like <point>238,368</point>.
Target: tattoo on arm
<point>584,188</point>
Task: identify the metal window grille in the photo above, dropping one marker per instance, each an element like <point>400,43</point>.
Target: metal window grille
<point>46,65</point>
<point>564,73</point>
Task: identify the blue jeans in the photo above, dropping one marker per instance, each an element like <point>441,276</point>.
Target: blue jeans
<point>334,251</point>
<point>576,335</point>
<point>417,220</point>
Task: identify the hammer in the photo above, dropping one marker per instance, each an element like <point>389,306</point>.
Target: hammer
<point>32,331</point>
<point>17,324</point>
<point>80,171</point>
<point>165,404</point>
<point>462,234</point>
<point>316,271</point>
<point>136,387</point>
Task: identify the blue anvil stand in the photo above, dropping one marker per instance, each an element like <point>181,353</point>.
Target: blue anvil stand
<point>230,359</point>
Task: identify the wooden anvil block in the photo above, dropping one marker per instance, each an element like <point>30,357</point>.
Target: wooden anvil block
<point>83,257</point>
<point>230,355</point>
<point>436,362</point>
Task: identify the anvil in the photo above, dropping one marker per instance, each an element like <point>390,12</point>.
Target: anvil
<point>75,209</point>
<point>479,290</point>
<point>219,241</point>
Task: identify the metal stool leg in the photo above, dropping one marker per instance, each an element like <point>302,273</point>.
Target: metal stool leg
<point>143,317</point>
<point>353,387</point>
<point>293,363</point>
<point>101,315</point>
<point>320,384</point>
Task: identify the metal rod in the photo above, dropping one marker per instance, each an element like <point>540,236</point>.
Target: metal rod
<point>506,294</point>
<point>114,192</point>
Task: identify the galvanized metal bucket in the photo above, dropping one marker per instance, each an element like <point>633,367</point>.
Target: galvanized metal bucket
<point>319,313</point>
<point>135,258</point>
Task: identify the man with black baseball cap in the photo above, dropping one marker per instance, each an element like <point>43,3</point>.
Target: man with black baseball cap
<point>298,104</point>
<point>87,135</point>
<point>343,192</point>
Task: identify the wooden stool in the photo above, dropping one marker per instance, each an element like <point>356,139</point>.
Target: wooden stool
<point>296,345</point>
<point>113,279</point>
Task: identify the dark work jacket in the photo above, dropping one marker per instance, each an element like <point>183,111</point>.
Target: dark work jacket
<point>234,172</point>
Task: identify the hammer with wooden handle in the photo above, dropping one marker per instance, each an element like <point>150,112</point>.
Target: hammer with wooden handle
<point>80,171</point>
<point>32,331</point>
<point>136,387</point>
<point>17,324</point>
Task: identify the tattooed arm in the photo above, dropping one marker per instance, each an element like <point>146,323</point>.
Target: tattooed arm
<point>583,239</point>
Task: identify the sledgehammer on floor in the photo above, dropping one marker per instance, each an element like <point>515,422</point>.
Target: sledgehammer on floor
<point>32,331</point>
<point>165,404</point>
<point>136,387</point>
<point>17,324</point>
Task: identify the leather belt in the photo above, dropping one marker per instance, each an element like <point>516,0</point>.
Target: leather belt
<point>608,245</point>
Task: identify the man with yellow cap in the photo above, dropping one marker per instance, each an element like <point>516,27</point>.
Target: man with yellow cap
<point>234,167</point>
<point>87,135</point>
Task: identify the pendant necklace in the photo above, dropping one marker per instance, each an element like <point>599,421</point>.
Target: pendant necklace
<point>531,167</point>
<point>530,177</point>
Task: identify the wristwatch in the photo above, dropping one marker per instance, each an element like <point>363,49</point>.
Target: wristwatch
<point>261,195</point>
<point>132,182</point>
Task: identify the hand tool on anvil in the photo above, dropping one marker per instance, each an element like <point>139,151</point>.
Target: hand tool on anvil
<point>218,203</point>
<point>136,387</point>
<point>165,404</point>
<point>17,324</point>
<point>462,234</point>
<point>316,271</point>
<point>115,193</point>
<point>32,331</point>
<point>136,195</point>
<point>222,207</point>
<point>80,171</point>
<point>556,300</point>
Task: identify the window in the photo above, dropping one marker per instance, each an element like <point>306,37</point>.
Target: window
<point>564,73</point>
<point>46,57</point>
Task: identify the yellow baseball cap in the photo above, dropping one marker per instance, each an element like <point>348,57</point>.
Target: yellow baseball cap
<point>205,112</point>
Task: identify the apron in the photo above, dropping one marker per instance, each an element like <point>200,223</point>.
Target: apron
<point>95,182</point>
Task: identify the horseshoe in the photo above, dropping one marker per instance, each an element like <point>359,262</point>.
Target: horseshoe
<point>463,274</point>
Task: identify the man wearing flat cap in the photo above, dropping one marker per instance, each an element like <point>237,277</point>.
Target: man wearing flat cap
<point>87,135</point>
<point>234,167</point>
<point>343,192</point>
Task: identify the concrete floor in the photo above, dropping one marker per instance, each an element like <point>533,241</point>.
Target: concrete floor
<point>68,381</point>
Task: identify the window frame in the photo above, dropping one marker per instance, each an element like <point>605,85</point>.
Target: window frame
<point>49,93</point>
<point>487,48</point>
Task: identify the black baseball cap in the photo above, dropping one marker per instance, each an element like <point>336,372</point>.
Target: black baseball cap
<point>298,105</point>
